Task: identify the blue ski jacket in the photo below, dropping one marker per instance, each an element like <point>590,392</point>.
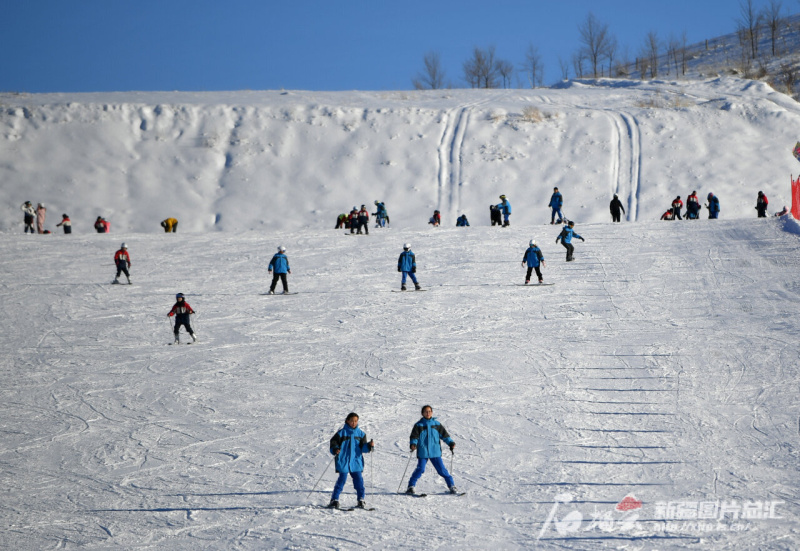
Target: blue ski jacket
<point>713,205</point>
<point>381,211</point>
<point>426,435</point>
<point>407,262</point>
<point>462,220</point>
<point>352,443</point>
<point>505,207</point>
<point>556,200</point>
<point>567,234</point>
<point>279,264</point>
<point>533,256</point>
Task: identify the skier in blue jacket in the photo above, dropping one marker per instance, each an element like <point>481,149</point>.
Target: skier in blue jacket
<point>425,437</point>
<point>407,263</point>
<point>505,207</point>
<point>279,267</point>
<point>462,221</point>
<point>713,206</point>
<point>566,236</point>
<point>533,258</point>
<point>348,446</point>
<point>556,202</point>
<point>382,216</point>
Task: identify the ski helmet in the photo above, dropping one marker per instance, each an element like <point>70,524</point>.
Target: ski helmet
<point>407,247</point>
<point>281,249</point>
<point>123,246</point>
<point>571,223</point>
<point>533,243</point>
<point>502,197</point>
<point>179,296</point>
<point>710,195</point>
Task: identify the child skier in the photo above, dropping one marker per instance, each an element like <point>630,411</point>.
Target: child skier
<point>677,205</point>
<point>692,206</point>
<point>65,221</point>
<point>556,202</point>
<point>28,216</point>
<point>713,206</point>
<point>761,204</point>
<point>381,216</point>
<point>407,263</point>
<point>533,258</point>
<point>279,265</point>
<point>123,261</point>
<point>436,219</point>
<point>424,439</point>
<point>41,212</point>
<point>566,236</point>
<point>462,221</point>
<point>181,310</point>
<point>363,220</point>
<point>348,446</point>
<point>505,209</point>
<point>495,216</point>
<point>170,225</point>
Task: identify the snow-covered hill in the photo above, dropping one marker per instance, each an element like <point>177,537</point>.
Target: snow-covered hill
<point>661,366</point>
<point>287,160</point>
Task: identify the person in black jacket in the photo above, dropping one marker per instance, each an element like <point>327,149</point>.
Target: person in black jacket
<point>616,206</point>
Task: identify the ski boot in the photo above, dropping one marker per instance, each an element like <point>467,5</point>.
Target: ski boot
<point>334,504</point>
<point>116,281</point>
<point>362,504</point>
<point>527,281</point>
<point>453,490</point>
<point>402,287</point>
<point>417,287</point>
<point>410,491</point>
<point>271,292</point>
<point>177,340</point>
<point>129,281</point>
<point>194,338</point>
<point>541,281</point>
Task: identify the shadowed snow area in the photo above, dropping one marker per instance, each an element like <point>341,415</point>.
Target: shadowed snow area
<point>662,365</point>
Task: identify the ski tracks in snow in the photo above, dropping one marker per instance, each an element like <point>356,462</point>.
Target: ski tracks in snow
<point>626,162</point>
<point>450,155</point>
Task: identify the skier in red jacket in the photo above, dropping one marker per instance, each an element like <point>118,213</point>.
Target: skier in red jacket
<point>123,261</point>
<point>181,310</point>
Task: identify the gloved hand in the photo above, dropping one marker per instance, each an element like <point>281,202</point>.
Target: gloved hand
<point>413,447</point>
<point>453,445</point>
<point>398,269</point>
<point>371,444</point>
<point>414,270</point>
<point>335,452</point>
<point>582,239</point>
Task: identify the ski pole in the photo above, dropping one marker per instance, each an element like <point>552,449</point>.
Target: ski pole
<point>452,455</point>
<point>404,473</point>
<point>372,476</point>
<point>320,478</point>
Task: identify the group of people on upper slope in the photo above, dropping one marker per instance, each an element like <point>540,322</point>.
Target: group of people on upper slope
<point>101,225</point>
<point>358,219</point>
<point>692,208</point>
<point>350,443</point>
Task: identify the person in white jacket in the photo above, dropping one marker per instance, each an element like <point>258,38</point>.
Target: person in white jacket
<point>30,214</point>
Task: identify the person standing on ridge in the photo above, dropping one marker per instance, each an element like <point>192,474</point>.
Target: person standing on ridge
<point>556,202</point>
<point>761,204</point>
<point>713,207</point>
<point>616,206</point>
<point>425,437</point>
<point>566,236</point>
<point>407,264</point>
<point>353,220</point>
<point>279,267</point>
<point>348,446</point>
<point>677,205</point>
<point>692,207</point>
<point>29,215</point>
<point>494,215</point>
<point>363,220</point>
<point>41,212</point>
<point>533,257</point>
<point>462,221</point>
<point>66,222</point>
<point>381,216</point>
<point>123,261</point>
<point>181,310</point>
<point>505,209</point>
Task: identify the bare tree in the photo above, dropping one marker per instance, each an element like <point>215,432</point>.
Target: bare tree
<point>432,76</point>
<point>564,66</point>
<point>750,23</point>
<point>673,54</point>
<point>577,64</point>
<point>506,70</point>
<point>481,70</point>
<point>532,67</point>
<point>611,52</point>
<point>595,41</point>
<point>684,53</point>
<point>775,22</point>
<point>651,49</point>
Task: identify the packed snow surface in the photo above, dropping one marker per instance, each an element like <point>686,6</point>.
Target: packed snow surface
<point>646,400</point>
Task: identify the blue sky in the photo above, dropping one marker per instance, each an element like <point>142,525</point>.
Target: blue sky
<point>120,45</point>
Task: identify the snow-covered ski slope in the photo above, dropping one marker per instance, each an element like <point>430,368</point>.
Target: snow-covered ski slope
<point>283,160</point>
<point>662,366</point>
